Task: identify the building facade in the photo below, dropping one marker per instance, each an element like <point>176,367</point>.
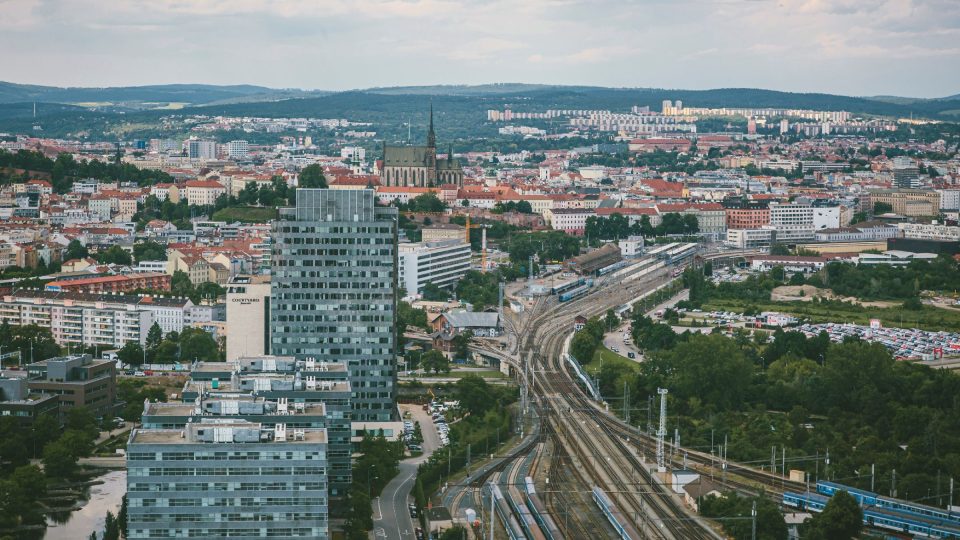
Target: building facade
<point>441,262</point>
<point>248,316</point>
<point>225,478</point>
<point>334,290</point>
<point>76,380</point>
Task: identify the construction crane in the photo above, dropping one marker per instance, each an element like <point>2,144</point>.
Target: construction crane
<point>483,242</point>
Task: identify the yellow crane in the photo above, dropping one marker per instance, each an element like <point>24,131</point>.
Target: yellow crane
<point>483,242</point>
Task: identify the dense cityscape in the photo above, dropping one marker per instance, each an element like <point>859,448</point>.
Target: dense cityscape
<point>489,311</point>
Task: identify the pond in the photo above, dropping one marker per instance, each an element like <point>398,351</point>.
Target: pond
<point>100,499</point>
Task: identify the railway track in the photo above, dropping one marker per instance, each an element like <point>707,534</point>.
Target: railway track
<point>598,447</point>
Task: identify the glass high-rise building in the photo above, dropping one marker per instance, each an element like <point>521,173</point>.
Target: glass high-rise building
<point>334,290</point>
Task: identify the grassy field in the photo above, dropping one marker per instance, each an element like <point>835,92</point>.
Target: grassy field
<point>604,355</point>
<point>929,318</point>
<point>245,214</point>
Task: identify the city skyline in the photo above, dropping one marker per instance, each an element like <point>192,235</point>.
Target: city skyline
<point>847,47</point>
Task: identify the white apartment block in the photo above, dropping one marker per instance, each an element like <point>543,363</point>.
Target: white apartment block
<point>78,319</point>
<point>442,263</point>
<point>238,149</point>
<point>949,199</point>
<point>75,321</point>
<point>930,231</point>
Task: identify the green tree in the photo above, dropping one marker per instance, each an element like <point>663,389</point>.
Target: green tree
<point>312,176</point>
<point>454,533</point>
<point>779,249</point>
<point>59,461</point>
<point>115,255</point>
<point>154,336</point>
<point>434,360</point>
<point>149,251</point>
<point>75,250</point>
<point>131,354</point>
<point>735,513</point>
<point>841,519</point>
<point>475,395</point>
<point>111,530</point>
<point>428,202</point>
<point>433,293</point>
<point>611,321</point>
<point>461,345</point>
<point>197,344</point>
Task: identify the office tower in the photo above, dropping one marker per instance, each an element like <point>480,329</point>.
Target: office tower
<point>227,478</point>
<point>201,149</point>
<point>906,174</point>
<point>333,294</point>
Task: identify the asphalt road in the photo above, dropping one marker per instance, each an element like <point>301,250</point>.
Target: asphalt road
<point>391,516</point>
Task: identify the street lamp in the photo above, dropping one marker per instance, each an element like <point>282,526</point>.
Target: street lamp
<point>368,483</point>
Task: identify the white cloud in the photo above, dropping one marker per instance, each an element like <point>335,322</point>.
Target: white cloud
<point>803,45</point>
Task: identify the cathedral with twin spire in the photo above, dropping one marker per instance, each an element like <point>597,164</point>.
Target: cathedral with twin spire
<point>418,166</point>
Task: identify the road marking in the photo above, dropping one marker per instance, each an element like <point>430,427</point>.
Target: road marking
<point>379,511</point>
<point>380,532</point>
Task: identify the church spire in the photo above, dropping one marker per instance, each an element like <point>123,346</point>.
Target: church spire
<point>431,136</point>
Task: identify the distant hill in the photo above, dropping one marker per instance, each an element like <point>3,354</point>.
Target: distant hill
<point>404,100</point>
<point>460,110</point>
<point>168,93</point>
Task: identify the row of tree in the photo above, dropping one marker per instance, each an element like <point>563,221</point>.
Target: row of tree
<point>617,226</point>
<point>64,170</point>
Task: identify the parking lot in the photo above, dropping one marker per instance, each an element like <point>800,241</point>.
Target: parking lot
<point>903,343</point>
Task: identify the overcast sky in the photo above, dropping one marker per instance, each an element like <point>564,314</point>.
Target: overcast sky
<point>854,47</point>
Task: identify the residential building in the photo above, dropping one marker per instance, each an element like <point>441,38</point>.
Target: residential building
<point>270,483</point>
<point>949,199</point>
<point>744,214</point>
<point>930,231</point>
<point>77,380</point>
<point>112,284</point>
<point>93,320</point>
<point>334,290</point>
<point>238,149</point>
<point>248,316</point>
<point>441,262</point>
<point>204,192</point>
